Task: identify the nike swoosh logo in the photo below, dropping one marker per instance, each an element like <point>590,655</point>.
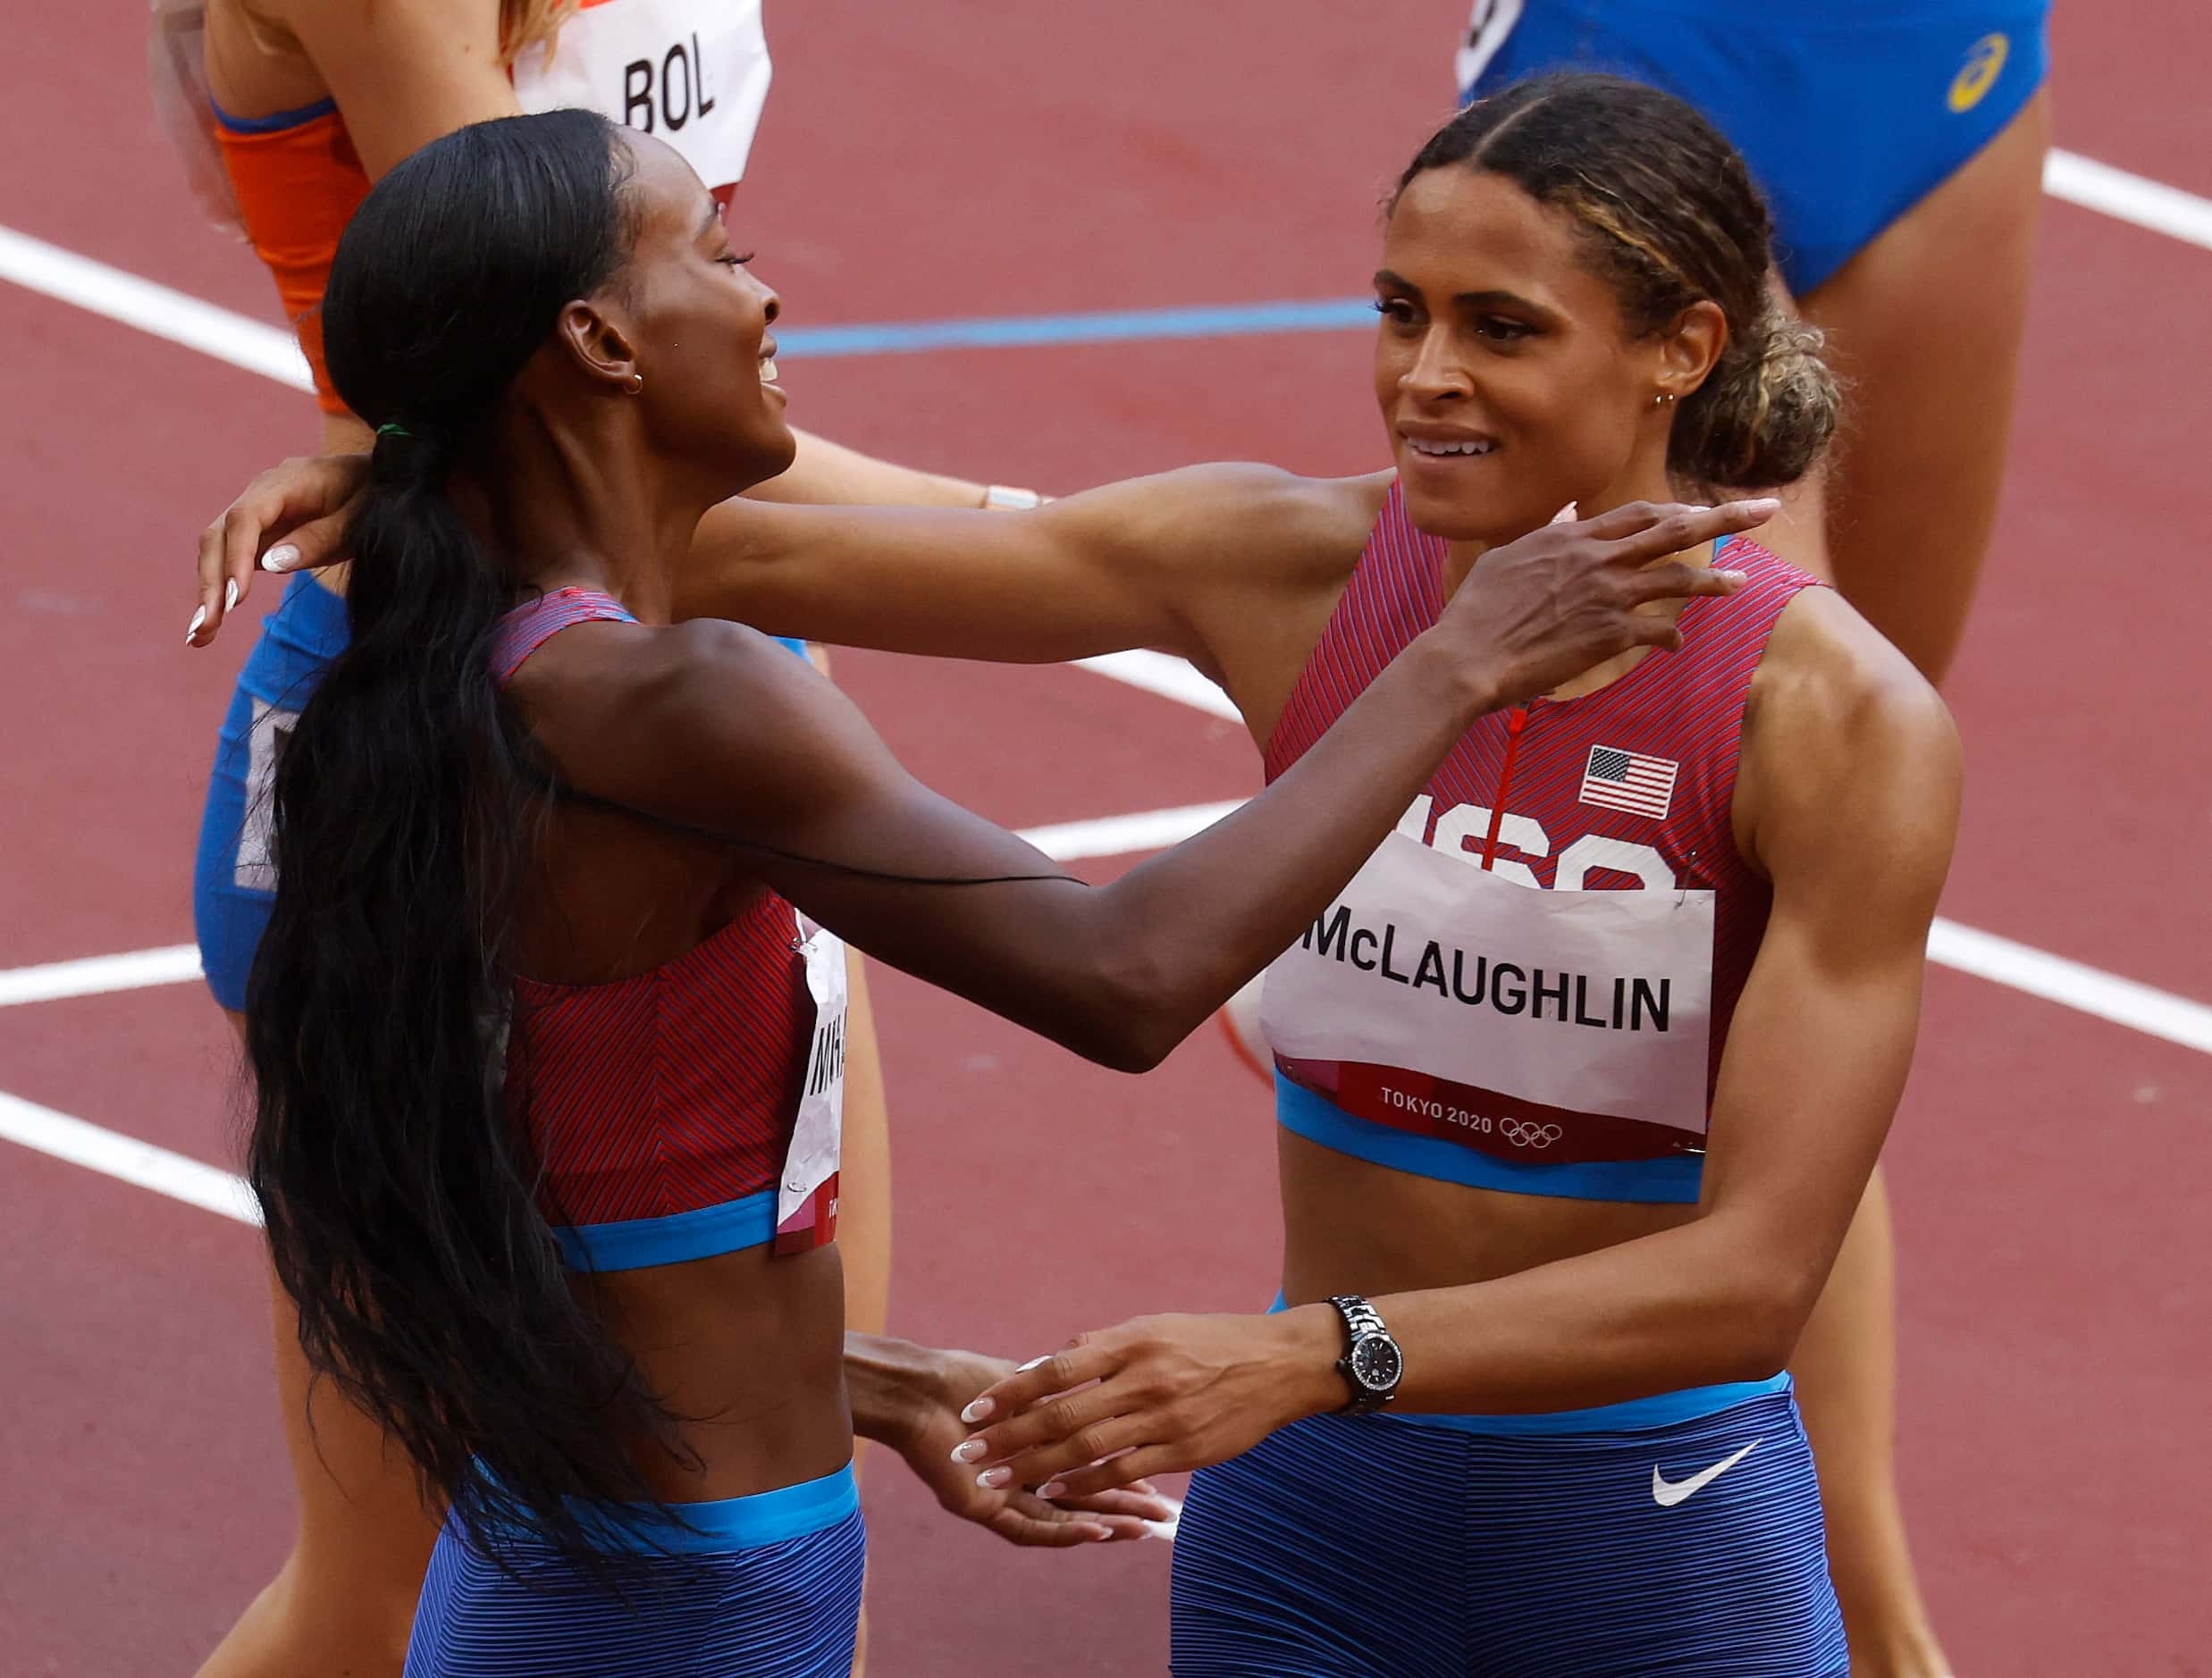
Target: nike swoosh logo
<point>1666,1496</point>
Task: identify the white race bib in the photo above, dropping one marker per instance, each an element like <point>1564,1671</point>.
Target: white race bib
<point>1558,1024</point>
<point>692,73</point>
<point>806,1193</point>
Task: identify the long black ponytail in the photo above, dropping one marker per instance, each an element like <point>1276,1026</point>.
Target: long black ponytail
<point>398,1196</point>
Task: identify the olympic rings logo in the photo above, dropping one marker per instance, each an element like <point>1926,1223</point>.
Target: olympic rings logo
<point>1522,1134</point>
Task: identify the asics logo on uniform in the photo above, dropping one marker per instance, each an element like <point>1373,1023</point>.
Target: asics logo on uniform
<point>1667,1496</point>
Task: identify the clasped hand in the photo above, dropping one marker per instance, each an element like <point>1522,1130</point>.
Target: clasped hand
<point>1156,1395</point>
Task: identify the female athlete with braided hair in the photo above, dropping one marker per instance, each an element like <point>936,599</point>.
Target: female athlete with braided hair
<point>1909,246</point>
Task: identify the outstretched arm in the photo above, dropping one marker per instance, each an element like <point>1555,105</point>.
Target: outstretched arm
<point>824,473</point>
<point>1165,561</point>
<point>705,724</point>
<point>1854,766</point>
<point>1162,562</point>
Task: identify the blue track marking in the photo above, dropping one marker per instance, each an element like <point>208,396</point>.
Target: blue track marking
<point>1113,326</point>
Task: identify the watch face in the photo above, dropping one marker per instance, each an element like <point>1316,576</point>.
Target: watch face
<point>1376,1364</point>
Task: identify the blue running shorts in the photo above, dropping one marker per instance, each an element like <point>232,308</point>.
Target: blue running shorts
<point>1849,112</point>
<point>761,1587</point>
<point>1504,1547</point>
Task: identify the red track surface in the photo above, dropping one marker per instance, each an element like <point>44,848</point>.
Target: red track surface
<point>972,158</point>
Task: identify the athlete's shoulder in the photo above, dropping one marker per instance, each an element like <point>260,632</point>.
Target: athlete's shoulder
<point>1243,513</point>
<point>703,662</point>
<point>1295,513</point>
<point>1823,660</point>
<point>672,717</point>
<point>612,668</point>
<point>1838,721</point>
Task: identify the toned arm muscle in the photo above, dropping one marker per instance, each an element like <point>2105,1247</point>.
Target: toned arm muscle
<point>706,724</point>
<point>1165,562</point>
<point>719,729</point>
<point>1854,765</point>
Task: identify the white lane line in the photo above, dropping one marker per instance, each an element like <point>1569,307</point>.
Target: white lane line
<point>153,308</point>
<point>175,1175</point>
<point>97,975</point>
<point>2125,197</point>
<point>269,350</point>
<point>2088,990</point>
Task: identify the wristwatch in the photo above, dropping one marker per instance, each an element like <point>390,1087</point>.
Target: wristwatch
<point>1372,1363</point>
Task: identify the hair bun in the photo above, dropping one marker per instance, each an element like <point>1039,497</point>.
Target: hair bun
<point>1766,413</point>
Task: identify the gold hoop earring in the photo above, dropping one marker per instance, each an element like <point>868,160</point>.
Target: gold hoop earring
<point>637,383</point>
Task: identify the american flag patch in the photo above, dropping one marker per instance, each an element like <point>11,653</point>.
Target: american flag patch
<point>1629,781</point>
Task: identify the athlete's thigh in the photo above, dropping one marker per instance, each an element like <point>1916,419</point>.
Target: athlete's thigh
<point>1925,324</point>
<point>1329,1550</point>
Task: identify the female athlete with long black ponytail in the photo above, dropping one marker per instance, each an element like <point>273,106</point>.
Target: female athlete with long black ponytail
<point>548,1063</point>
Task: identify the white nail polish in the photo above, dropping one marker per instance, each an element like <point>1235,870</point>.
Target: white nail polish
<point>230,594</point>
<point>192,628</point>
<point>992,1479</point>
<point>978,1411</point>
<point>968,1451</point>
<point>283,556</point>
<point>1032,1363</point>
<point>1052,1488</point>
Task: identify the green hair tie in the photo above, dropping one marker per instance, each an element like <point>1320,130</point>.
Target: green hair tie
<point>389,429</point>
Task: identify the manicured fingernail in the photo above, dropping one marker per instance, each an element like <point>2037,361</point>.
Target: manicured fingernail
<point>992,1479</point>
<point>1052,1488</point>
<point>968,1451</point>
<point>979,1411</point>
<point>1032,1363</point>
<point>192,628</point>
<point>1737,576</point>
<point>283,556</point>
<point>230,594</point>
<point>1102,1535</point>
